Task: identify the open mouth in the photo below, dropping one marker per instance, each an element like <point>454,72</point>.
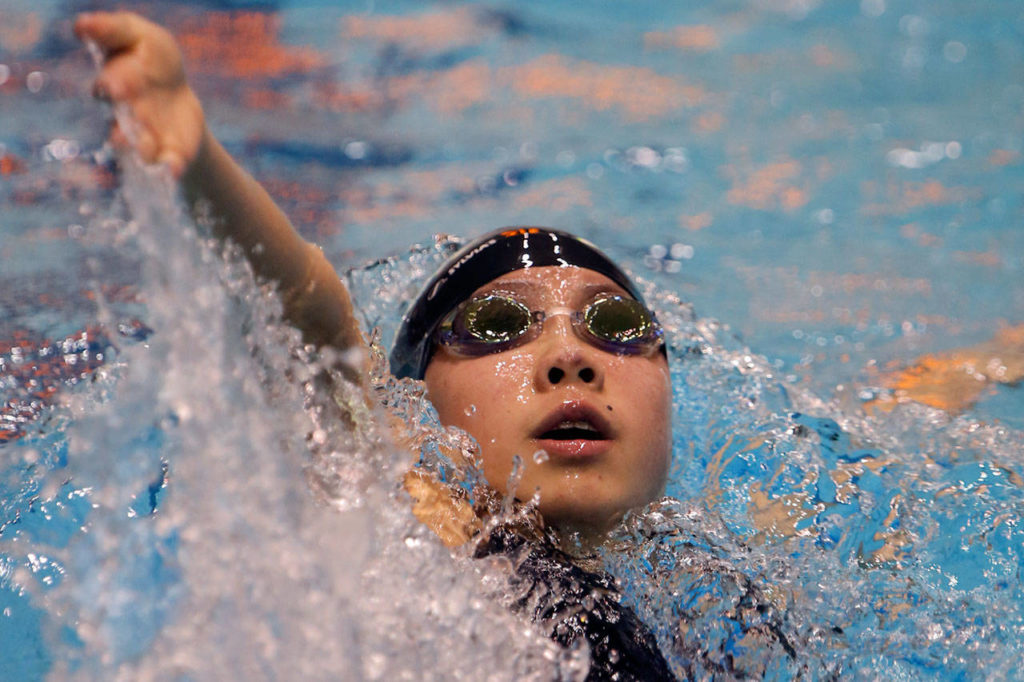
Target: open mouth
<point>573,430</point>
<point>575,421</point>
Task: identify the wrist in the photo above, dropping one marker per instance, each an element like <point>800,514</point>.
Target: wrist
<point>197,169</point>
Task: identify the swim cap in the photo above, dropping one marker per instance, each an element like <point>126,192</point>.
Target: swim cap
<point>476,264</point>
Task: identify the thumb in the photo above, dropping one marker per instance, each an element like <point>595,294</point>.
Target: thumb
<point>174,161</point>
<point>112,31</point>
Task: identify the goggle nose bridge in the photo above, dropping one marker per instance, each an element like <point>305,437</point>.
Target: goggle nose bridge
<point>541,317</point>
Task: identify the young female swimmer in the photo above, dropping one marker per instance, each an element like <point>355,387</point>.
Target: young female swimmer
<point>594,396</point>
<point>529,339</point>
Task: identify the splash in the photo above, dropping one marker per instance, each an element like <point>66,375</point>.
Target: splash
<point>804,536</point>
<point>223,510</point>
<point>229,524</point>
<point>811,538</point>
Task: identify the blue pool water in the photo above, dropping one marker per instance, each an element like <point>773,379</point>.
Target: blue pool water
<point>835,189</point>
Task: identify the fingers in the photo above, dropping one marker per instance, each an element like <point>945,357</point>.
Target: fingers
<point>118,138</point>
<point>149,148</point>
<point>143,72</point>
<point>147,145</point>
<point>112,31</point>
<point>174,161</point>
<point>141,57</point>
<point>120,79</point>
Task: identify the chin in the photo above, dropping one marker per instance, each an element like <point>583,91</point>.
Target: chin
<point>570,517</point>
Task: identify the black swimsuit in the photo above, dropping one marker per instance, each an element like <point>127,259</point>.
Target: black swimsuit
<point>575,604</point>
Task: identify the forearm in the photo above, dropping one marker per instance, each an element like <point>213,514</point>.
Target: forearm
<point>241,210</point>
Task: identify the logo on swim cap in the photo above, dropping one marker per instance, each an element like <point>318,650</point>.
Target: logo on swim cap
<point>520,230</point>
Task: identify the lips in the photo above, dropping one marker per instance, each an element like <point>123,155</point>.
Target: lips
<point>574,430</point>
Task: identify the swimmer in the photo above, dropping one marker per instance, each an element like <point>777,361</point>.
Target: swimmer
<point>529,339</point>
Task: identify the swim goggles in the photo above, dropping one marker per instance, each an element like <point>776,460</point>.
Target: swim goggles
<point>497,322</point>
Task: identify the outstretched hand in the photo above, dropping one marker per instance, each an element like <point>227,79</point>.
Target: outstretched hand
<point>143,70</point>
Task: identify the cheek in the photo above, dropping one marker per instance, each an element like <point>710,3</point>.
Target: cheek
<point>510,380</point>
<point>653,415</point>
<point>447,393</point>
<point>662,390</point>
<point>477,385</point>
<point>473,394</point>
<point>665,439</point>
<point>475,397</point>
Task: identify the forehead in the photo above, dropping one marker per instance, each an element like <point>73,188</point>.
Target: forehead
<point>553,284</point>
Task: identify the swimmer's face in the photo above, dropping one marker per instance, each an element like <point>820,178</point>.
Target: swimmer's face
<point>603,419</point>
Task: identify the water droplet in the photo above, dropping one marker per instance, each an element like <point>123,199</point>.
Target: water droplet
<point>470,411</point>
<point>514,477</point>
<point>913,26</point>
<point>867,394</point>
<point>681,251</point>
<point>954,51</point>
<point>35,81</point>
<point>541,456</point>
<point>356,150</point>
<point>644,157</point>
<point>183,411</point>
<point>62,150</point>
<point>872,8</point>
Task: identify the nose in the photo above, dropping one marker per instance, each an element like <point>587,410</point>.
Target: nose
<point>564,359</point>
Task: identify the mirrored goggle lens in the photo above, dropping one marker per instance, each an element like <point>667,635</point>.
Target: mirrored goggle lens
<point>488,325</point>
<point>622,323</point>
<point>493,319</point>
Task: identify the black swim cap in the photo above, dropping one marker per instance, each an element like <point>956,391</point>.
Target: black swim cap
<point>476,264</point>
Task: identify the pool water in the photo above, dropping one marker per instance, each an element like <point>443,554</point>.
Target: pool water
<point>823,200</point>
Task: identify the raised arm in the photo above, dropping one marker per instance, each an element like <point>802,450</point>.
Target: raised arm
<point>143,70</point>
